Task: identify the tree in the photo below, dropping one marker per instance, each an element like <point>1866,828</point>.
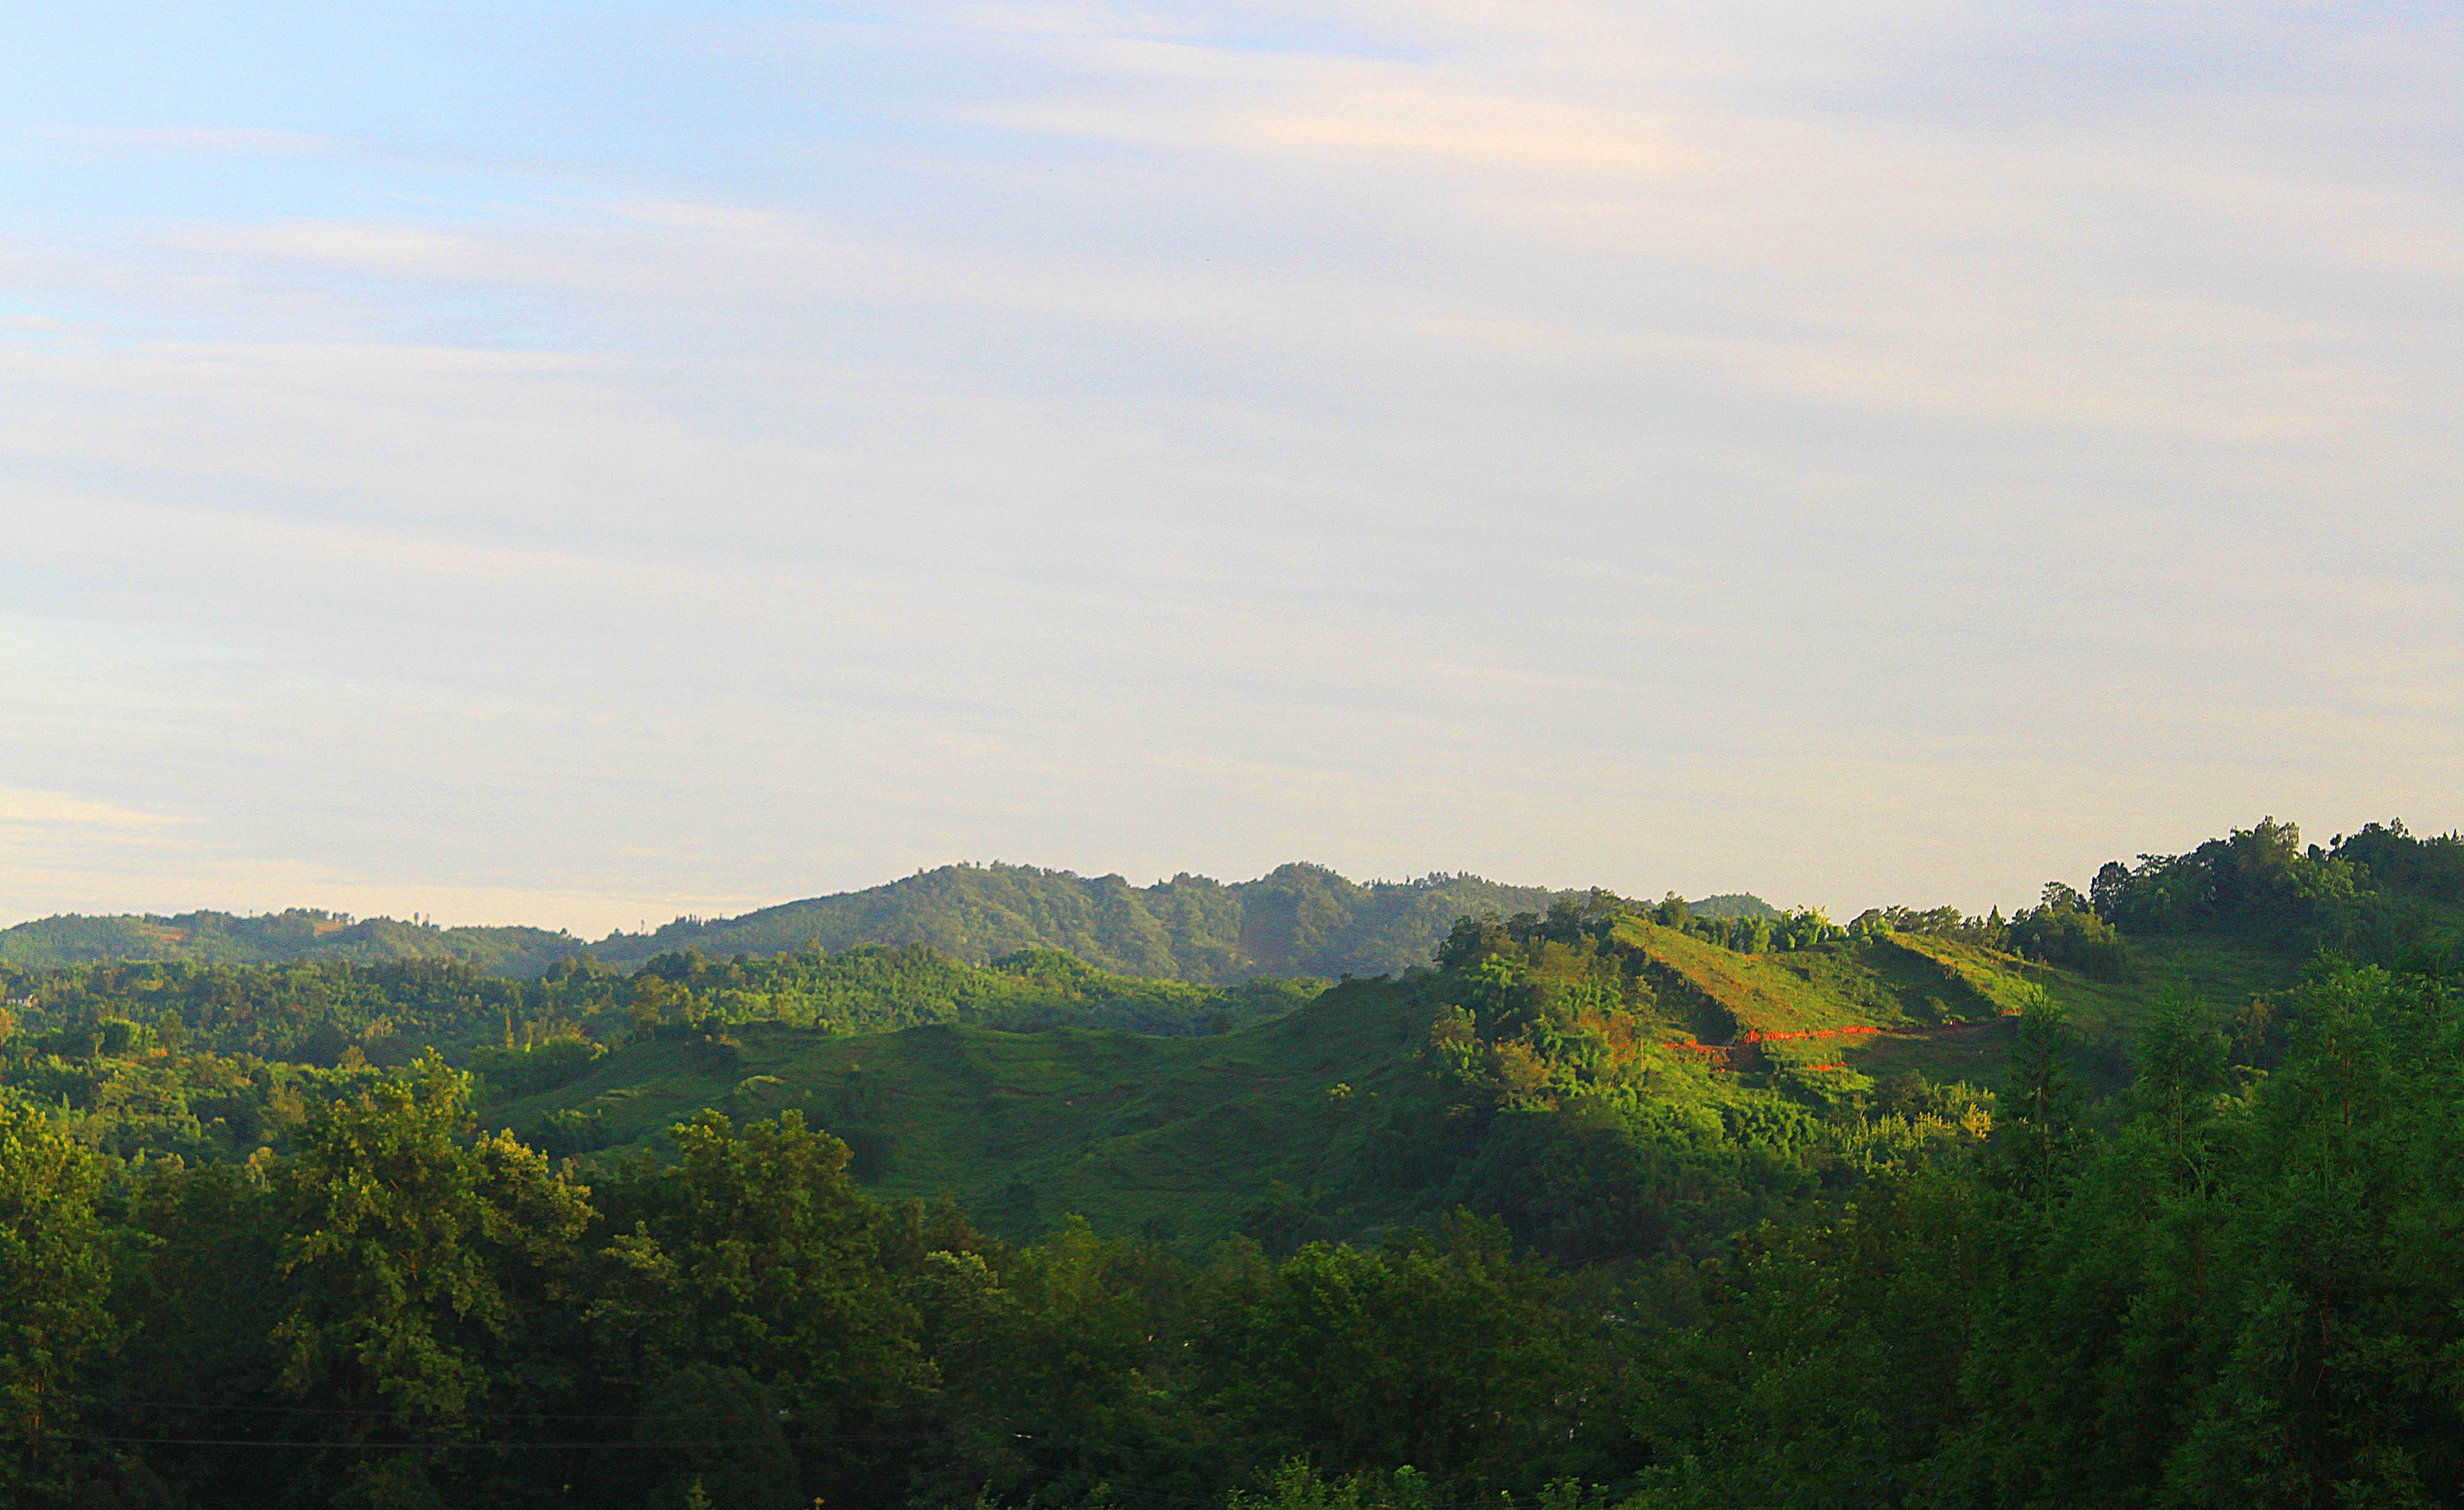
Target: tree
<point>2111,888</point>
<point>1442,1351</point>
<point>2334,1328</point>
<point>55,1288</point>
<point>713,1438</point>
<point>2256,1309</point>
<point>1816,1374</point>
<point>418,1259</point>
<point>2180,1055</point>
<point>2041,1135</point>
<point>755,1248</point>
<point>1046,1363</point>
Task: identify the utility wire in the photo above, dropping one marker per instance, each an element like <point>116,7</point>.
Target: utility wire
<point>464,1415</point>
<point>1497,1502</point>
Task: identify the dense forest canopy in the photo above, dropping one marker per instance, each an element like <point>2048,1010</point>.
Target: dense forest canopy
<point>2148,1195</point>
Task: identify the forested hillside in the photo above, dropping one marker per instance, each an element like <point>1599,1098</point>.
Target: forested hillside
<point>2148,1194</point>
<point>1299,919</point>
<point>302,933</point>
<point>211,1061</point>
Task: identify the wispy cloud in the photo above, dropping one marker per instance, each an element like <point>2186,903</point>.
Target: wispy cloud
<point>19,805</point>
<point>1558,439</point>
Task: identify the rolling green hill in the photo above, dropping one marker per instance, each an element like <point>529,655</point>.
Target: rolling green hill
<point>302,933</point>
<point>1300,920</point>
<point>1180,1137</point>
<point>1191,1139</point>
<point>1679,1206</point>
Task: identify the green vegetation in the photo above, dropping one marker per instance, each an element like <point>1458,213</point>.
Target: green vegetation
<point>1606,1204</point>
<point>2381,893</point>
<point>213,1062</point>
<point>302,933</point>
<point>1300,920</point>
<point>324,1012</point>
<point>1733,904</point>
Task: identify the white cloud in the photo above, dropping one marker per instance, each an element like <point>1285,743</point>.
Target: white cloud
<point>19,805</point>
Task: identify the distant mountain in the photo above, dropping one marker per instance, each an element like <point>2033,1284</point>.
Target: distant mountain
<point>302,933</point>
<point>1299,918</point>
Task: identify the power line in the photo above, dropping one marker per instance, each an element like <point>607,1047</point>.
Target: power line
<point>466,1415</point>
<point>1497,1502</point>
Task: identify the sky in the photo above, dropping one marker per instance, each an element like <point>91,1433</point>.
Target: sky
<point>580,465</point>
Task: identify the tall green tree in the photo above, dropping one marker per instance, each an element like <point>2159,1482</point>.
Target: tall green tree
<point>1054,1362</point>
<point>2040,1133</point>
<point>755,1248</point>
<point>419,1259</point>
<point>55,1283</point>
<point>2338,1335</point>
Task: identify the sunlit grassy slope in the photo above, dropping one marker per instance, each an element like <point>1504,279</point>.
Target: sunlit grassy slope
<point>1183,1137</point>
<point>1888,981</point>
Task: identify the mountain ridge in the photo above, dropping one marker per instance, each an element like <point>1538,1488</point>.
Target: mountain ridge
<point>1299,918</point>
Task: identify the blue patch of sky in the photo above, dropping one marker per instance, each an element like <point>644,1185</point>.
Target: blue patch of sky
<point>475,91</point>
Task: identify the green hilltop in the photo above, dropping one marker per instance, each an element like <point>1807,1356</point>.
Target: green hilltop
<point>1297,920</point>
<point>1299,1124</point>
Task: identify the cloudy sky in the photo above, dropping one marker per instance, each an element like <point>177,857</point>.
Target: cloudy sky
<point>585,463</point>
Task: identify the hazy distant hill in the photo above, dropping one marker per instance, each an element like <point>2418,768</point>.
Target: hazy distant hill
<point>302,933</point>
<point>1298,920</point>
